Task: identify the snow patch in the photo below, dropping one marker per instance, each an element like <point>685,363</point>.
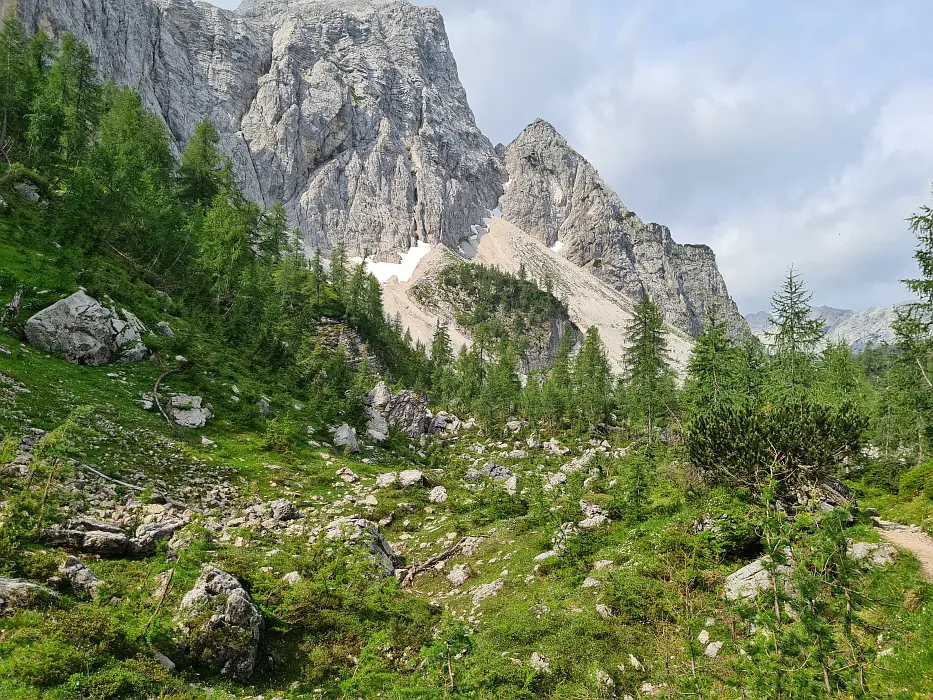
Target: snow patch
<point>384,271</point>
<point>557,246</point>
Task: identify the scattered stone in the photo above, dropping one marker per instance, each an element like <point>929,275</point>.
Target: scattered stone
<point>148,535</point>
<point>438,495</point>
<point>163,329</point>
<point>87,332</point>
<point>291,578</point>
<point>87,536</point>
<point>459,575</point>
<point>497,472</point>
<point>550,554</point>
<point>486,590</point>
<point>515,425</point>
<point>187,411</point>
<point>604,611</point>
<point>602,564</point>
<point>207,442</point>
<point>347,475</point>
<point>83,581</point>
<point>604,680</point>
<point>540,663</point>
<point>221,624</point>
<point>510,486</point>
<point>590,582</point>
<point>712,650</point>
<point>595,516</point>
<point>371,500</point>
<point>703,637</point>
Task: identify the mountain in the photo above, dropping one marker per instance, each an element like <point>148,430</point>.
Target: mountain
<point>351,114</point>
<point>855,329</point>
<point>555,195</point>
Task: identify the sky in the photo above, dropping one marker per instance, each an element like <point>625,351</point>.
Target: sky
<point>792,133</point>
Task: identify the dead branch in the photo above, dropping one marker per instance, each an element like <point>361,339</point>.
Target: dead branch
<point>443,556</point>
<point>155,391</point>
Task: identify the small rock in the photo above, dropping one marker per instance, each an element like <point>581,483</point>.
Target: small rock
<point>712,651</point>
<point>590,582</point>
<point>291,578</point>
<point>83,581</point>
<point>385,480</point>
<point>486,590</point>
<point>703,637</point>
<point>345,438</point>
<point>347,475</point>
<point>163,329</point>
<point>459,575</point>
<point>540,663</point>
<point>438,495</point>
<point>604,611</point>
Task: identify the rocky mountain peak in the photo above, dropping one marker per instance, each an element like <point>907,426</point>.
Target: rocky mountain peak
<point>557,196</point>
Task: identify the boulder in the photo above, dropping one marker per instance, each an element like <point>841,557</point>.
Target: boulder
<point>220,623</point>
<point>148,535</point>
<point>408,411</point>
<point>379,397</point>
<point>750,580</point>
<point>459,575</point>
<point>28,191</point>
<point>88,536</point>
<point>165,330</point>
<point>486,590</point>
<point>355,530</point>
<point>187,411</point>
<point>84,582</point>
<point>19,595</point>
<point>438,495</point>
<point>410,477</point>
<point>386,480</point>
<point>497,472</point>
<point>376,426</point>
<point>283,510</point>
<point>86,332</point>
<point>871,554</point>
<point>345,438</point>
<point>347,475</point>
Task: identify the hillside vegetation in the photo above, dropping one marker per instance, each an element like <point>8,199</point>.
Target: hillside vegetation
<point>280,497</point>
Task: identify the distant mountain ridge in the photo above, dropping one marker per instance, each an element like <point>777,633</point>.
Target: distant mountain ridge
<point>854,328</point>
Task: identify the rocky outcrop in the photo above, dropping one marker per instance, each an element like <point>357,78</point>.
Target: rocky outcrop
<point>86,332</point>
<point>107,539</point>
<point>84,582</point>
<point>221,624</point>
<point>749,581</point>
<point>555,195</point>
<point>345,438</point>
<point>349,112</point>
<point>354,530</point>
<point>18,595</point>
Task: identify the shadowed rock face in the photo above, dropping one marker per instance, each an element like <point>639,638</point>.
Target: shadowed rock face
<point>349,113</point>
<point>557,196</point>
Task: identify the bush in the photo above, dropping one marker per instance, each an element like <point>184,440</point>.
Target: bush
<point>634,598</point>
<point>745,445</point>
<point>916,480</point>
<point>46,663</point>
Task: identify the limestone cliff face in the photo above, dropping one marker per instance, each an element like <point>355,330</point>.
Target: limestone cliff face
<point>349,112</point>
<point>554,194</point>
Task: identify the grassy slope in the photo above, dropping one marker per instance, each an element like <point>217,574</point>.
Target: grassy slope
<point>541,608</point>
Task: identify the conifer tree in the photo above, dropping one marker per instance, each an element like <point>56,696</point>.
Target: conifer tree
<point>649,379</point>
<point>592,380</point>
<point>198,174</point>
<point>714,369</point>
<point>795,336</point>
<point>557,387</point>
<point>501,393</point>
<point>338,268</point>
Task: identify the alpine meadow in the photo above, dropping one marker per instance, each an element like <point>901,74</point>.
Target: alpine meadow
<point>308,390</point>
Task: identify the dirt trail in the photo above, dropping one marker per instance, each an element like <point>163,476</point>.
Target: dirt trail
<point>912,539</point>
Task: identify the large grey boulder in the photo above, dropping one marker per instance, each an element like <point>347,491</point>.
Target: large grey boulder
<point>378,398</point>
<point>750,580</point>
<point>356,530</point>
<point>345,438</point>
<point>89,536</point>
<point>408,411</point>
<point>19,595</point>
<point>86,332</point>
<point>189,411</point>
<point>221,624</point>
<point>84,582</point>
